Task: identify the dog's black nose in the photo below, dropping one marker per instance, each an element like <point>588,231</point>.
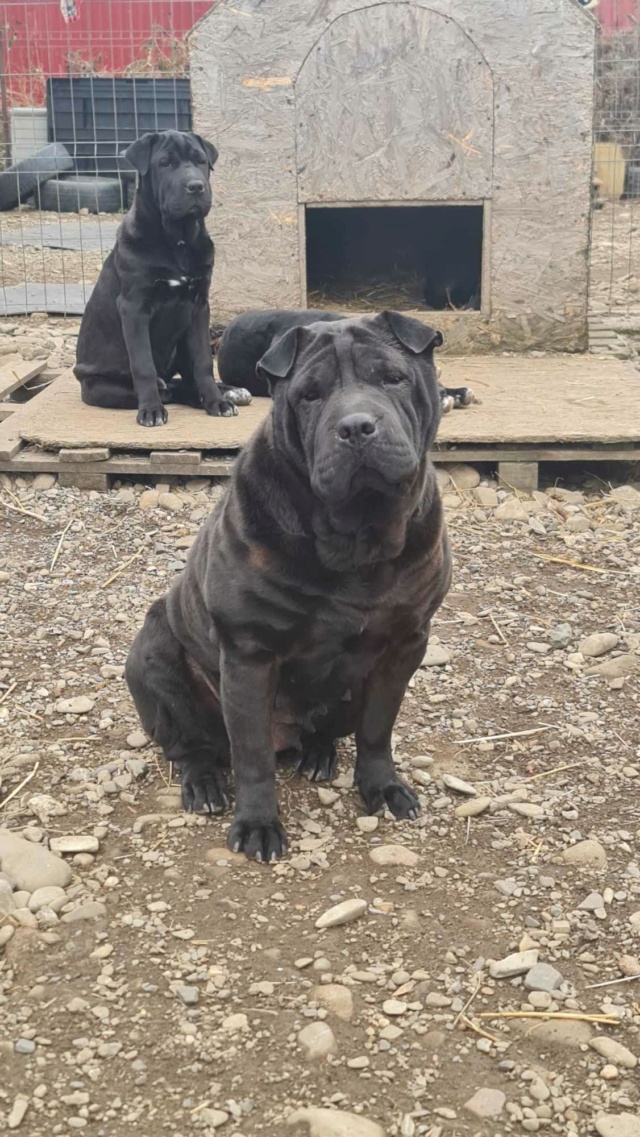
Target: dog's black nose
<point>195,187</point>
<point>356,428</point>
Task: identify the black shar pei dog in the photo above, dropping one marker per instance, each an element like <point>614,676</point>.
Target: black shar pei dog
<point>244,341</point>
<point>147,319</point>
<point>305,604</point>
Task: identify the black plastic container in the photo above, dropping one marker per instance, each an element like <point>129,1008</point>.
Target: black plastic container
<point>97,117</point>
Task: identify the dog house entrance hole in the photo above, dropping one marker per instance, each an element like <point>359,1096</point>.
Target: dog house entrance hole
<point>404,257</point>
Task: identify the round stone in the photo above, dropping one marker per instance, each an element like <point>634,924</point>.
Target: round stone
<point>317,1040</point>
<point>394,855</point>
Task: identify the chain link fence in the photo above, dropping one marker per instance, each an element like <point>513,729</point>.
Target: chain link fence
<point>79,81</point>
<point>615,239</point>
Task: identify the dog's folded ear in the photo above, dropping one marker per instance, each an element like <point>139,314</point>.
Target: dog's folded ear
<point>412,334</point>
<point>209,149</point>
<point>139,153</point>
<point>277,362</point>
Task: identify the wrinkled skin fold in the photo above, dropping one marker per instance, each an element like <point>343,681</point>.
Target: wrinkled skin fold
<point>305,604</point>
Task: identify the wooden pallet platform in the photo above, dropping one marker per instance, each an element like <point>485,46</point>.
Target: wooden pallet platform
<point>534,409</point>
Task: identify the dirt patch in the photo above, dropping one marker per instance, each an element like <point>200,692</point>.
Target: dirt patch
<point>177,995</point>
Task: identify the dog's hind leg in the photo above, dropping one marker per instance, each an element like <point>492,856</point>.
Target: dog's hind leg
<point>462,396</point>
<point>239,396</point>
<point>178,712</point>
<point>319,758</point>
<point>107,391</point>
<point>184,389</point>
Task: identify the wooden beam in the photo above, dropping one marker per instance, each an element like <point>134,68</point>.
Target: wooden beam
<point>10,441</point>
<point>79,478</point>
<point>521,476</point>
<point>119,465</point>
<point>566,453</point>
<point>82,456</point>
<point>186,460</point>
<point>15,373</point>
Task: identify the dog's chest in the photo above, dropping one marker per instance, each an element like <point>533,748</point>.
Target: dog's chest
<point>184,279</point>
<point>181,289</point>
<point>342,638</point>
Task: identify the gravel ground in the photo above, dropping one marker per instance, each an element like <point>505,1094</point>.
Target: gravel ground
<point>151,981</point>
<point>30,262</point>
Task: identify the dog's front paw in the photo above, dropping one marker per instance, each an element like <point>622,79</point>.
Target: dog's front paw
<point>447,403</point>
<point>261,839</point>
<point>203,790</point>
<point>395,796</point>
<point>228,409</point>
<point>221,408</point>
<point>151,414</point>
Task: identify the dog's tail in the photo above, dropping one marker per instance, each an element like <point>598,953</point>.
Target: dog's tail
<point>216,332</point>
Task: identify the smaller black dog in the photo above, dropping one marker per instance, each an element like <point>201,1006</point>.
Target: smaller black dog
<point>244,341</point>
<point>147,320</point>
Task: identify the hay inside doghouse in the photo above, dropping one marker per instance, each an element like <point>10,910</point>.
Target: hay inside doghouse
<point>367,295</point>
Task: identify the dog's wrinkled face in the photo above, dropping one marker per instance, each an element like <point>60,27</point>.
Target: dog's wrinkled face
<point>174,172</point>
<point>356,403</point>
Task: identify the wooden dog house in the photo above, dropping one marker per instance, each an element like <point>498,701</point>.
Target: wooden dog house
<point>372,149</point>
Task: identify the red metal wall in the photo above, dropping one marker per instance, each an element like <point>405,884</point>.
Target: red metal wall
<point>142,37</point>
<point>135,36</point>
<point>617,15</point>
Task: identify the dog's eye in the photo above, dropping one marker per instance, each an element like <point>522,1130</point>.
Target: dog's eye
<point>393,380</point>
<point>310,397</point>
<point>164,160</point>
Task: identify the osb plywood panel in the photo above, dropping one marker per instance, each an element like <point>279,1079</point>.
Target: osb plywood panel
<point>525,400</point>
<point>59,419</point>
<point>249,61</point>
<point>566,398</point>
<point>394,103</point>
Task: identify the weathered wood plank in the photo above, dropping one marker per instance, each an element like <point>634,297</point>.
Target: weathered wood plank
<point>567,453</point>
<point>15,373</point>
<point>28,461</point>
<point>559,452</point>
<point>182,459</point>
<point>10,441</point>
<point>77,477</point>
<point>519,475</point>
<point>82,457</point>
<point>58,419</point>
<point>6,409</point>
<point>119,465</point>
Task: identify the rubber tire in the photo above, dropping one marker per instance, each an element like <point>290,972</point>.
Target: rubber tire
<point>70,195</point>
<point>21,180</point>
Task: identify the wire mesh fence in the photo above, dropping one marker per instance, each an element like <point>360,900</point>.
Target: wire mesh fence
<point>615,237</point>
<point>79,81</point>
